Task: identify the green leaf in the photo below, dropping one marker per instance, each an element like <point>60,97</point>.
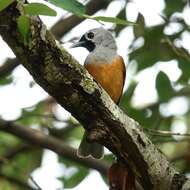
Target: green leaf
<point>75,179</point>
<point>119,27</point>
<point>7,141</point>
<point>5,3</point>
<point>70,5</point>
<point>24,163</point>
<point>140,28</point>
<point>34,115</point>
<point>144,58</point>
<point>111,19</point>
<point>24,27</point>
<point>153,50</point>
<point>39,9</point>
<point>6,81</point>
<point>184,65</point>
<point>164,87</point>
<point>173,6</point>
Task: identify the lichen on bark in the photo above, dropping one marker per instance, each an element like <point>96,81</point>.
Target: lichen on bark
<point>57,72</point>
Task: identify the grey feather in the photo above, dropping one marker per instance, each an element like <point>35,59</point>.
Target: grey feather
<point>87,149</point>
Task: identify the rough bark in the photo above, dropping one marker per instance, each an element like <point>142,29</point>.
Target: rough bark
<point>59,31</point>
<point>61,76</point>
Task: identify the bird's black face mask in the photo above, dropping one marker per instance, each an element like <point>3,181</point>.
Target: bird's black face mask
<point>83,42</point>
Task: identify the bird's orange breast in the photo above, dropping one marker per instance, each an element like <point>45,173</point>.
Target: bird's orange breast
<point>110,76</point>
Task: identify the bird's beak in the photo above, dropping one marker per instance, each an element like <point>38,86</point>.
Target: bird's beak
<point>78,44</point>
<point>83,42</point>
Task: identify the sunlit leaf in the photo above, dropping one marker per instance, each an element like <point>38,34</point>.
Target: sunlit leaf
<point>140,28</point>
<point>76,133</point>
<point>6,185</point>
<point>111,19</point>
<point>39,9</point>
<point>5,3</point>
<point>7,141</point>
<point>119,27</point>
<point>70,5</point>
<point>24,27</point>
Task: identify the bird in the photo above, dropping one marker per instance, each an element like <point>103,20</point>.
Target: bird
<point>108,69</point>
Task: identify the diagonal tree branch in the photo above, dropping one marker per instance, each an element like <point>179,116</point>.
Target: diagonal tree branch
<point>36,137</point>
<point>16,181</point>
<point>61,76</point>
<point>59,30</point>
<point>8,67</point>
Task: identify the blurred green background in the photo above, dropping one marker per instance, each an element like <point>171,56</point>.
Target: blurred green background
<point>156,93</point>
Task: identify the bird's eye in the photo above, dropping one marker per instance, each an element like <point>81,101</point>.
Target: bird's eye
<point>90,35</point>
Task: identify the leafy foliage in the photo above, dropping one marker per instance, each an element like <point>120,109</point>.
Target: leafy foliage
<point>76,176</point>
<point>163,82</point>
<point>110,19</point>
<point>73,6</point>
<point>23,24</point>
<point>75,179</point>
<point>5,3</point>
<point>70,5</point>
<point>157,47</point>
<point>39,9</point>
<point>6,80</point>
<point>172,7</point>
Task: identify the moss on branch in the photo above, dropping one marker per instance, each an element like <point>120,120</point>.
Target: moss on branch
<point>57,72</point>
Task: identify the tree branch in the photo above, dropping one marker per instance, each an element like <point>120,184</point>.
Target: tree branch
<point>17,182</point>
<point>57,72</point>
<point>59,29</point>
<point>36,137</point>
<point>8,67</point>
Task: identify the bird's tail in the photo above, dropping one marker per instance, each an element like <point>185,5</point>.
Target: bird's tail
<point>87,149</point>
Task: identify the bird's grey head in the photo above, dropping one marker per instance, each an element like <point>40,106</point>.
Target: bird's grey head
<point>95,38</point>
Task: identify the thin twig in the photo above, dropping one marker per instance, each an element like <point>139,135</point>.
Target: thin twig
<point>165,133</point>
<point>34,182</point>
<point>181,52</point>
<point>162,141</point>
<point>50,116</point>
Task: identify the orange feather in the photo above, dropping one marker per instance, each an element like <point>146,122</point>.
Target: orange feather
<point>110,76</point>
